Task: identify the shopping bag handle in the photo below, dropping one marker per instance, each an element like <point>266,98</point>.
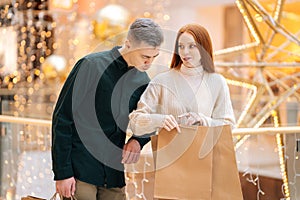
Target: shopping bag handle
<point>61,197</point>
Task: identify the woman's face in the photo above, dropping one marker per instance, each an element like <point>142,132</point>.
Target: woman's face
<point>188,51</point>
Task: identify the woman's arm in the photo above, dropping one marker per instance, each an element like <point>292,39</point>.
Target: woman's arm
<point>223,111</point>
<point>145,119</point>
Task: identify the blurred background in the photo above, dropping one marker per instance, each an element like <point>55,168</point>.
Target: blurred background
<point>256,48</point>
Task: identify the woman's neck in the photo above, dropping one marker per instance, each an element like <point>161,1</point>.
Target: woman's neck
<point>191,71</point>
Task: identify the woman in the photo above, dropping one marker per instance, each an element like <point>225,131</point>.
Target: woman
<point>190,93</point>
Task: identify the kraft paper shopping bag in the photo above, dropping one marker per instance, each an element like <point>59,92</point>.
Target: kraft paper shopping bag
<point>180,174</point>
<point>198,163</point>
<point>226,181</point>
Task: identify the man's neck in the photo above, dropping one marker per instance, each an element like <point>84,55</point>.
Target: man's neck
<point>124,53</point>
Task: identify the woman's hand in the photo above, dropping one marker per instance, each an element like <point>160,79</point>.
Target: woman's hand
<point>191,118</point>
<point>170,123</point>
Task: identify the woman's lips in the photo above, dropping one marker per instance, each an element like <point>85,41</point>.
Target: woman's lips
<point>187,58</point>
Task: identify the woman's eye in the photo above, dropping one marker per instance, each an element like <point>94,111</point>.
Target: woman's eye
<point>192,46</point>
<point>180,46</point>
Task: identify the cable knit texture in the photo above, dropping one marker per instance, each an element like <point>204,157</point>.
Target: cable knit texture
<point>176,92</point>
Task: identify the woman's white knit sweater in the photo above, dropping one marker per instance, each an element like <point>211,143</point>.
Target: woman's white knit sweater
<point>176,92</point>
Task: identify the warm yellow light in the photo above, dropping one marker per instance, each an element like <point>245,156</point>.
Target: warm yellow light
<point>6,79</point>
<point>258,18</point>
<point>30,91</point>
<point>248,20</point>
<point>32,58</point>
<point>37,72</point>
<point>249,86</point>
<point>75,42</point>
<point>15,80</point>
<point>29,79</point>
<point>64,4</point>
<point>166,17</point>
<point>281,156</point>
<point>16,97</point>
<point>42,59</point>
<point>9,194</point>
<point>48,34</point>
<point>278,10</point>
<point>55,45</point>
<point>147,14</point>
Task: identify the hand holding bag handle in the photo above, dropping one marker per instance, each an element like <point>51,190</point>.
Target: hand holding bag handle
<point>29,197</point>
<point>52,198</point>
<point>61,197</point>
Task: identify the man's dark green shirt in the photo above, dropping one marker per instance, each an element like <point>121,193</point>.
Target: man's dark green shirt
<point>91,116</point>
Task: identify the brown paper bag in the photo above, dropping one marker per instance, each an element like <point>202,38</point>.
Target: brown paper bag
<point>54,197</point>
<point>31,198</point>
<point>198,163</point>
<point>154,147</point>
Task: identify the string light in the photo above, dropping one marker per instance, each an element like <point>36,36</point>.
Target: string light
<point>249,21</point>
<point>280,148</point>
<point>156,9</point>
<point>29,71</point>
<point>35,41</point>
<point>272,23</point>
<point>231,81</point>
<point>278,10</point>
<point>235,49</point>
<point>249,101</point>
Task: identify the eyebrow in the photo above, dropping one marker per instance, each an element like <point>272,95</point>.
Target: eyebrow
<point>150,56</point>
<point>188,42</point>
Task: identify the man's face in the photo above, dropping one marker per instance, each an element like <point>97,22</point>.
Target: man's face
<point>142,56</point>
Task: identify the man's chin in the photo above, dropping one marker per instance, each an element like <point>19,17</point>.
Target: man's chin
<point>146,68</point>
<point>143,68</point>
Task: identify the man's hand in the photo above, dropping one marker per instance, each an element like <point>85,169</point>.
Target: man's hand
<point>131,152</point>
<point>66,187</point>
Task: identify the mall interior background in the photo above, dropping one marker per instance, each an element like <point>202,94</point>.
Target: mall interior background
<point>257,49</point>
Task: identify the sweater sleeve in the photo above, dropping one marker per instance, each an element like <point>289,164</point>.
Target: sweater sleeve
<point>222,111</point>
<point>145,119</point>
<point>146,138</point>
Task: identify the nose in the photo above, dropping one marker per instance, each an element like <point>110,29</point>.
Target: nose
<point>148,60</point>
<point>186,50</point>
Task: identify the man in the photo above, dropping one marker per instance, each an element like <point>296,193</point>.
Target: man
<point>91,116</point>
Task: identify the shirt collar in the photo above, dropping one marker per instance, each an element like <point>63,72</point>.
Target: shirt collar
<point>122,64</point>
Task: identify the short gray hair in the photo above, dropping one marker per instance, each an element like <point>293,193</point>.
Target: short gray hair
<point>145,30</point>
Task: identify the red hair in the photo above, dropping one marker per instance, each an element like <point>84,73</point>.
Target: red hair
<point>204,44</point>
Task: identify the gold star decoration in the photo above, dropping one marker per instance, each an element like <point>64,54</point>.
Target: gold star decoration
<point>271,57</point>
<point>269,69</point>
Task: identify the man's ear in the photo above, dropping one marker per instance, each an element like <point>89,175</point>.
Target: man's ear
<point>127,44</point>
